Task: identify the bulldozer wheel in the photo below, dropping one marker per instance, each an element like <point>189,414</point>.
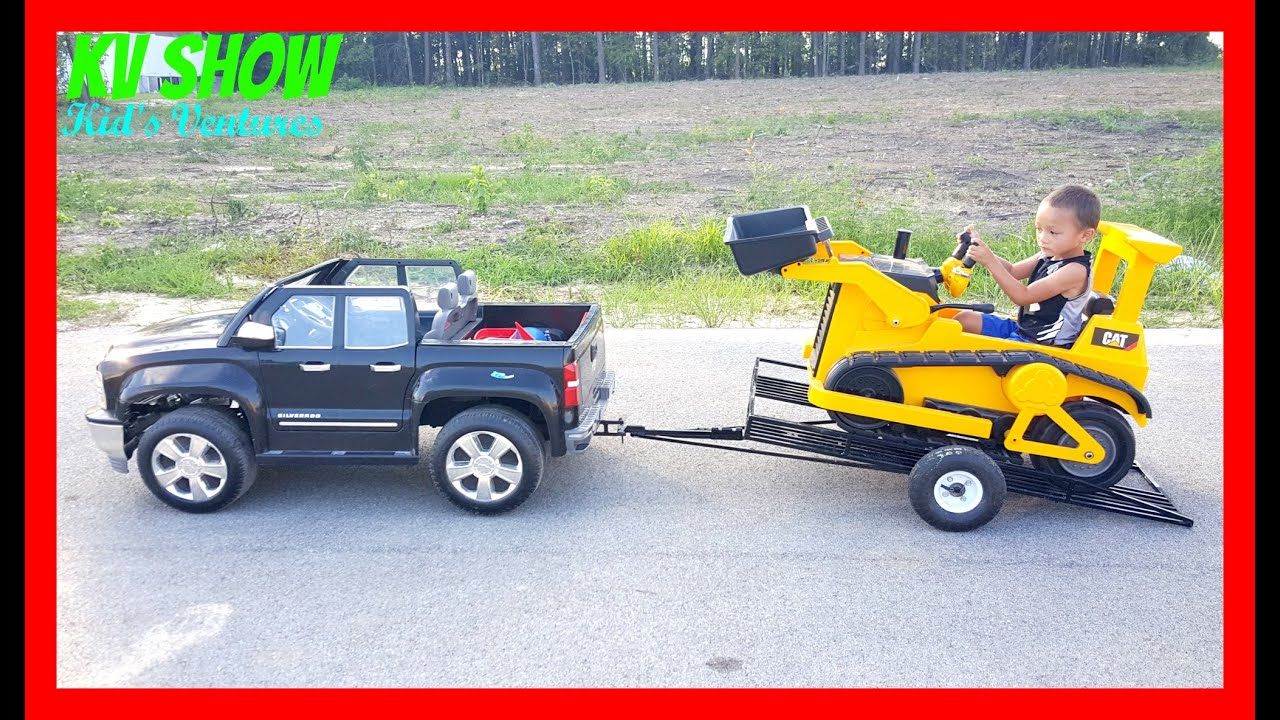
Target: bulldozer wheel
<point>867,381</point>
<point>1106,425</point>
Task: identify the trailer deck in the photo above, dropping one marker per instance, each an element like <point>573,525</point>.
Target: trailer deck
<point>893,449</point>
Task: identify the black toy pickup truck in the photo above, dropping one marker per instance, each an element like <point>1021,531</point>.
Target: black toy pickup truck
<point>343,363</point>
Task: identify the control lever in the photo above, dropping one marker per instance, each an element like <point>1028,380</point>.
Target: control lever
<point>962,250</point>
<point>956,270</point>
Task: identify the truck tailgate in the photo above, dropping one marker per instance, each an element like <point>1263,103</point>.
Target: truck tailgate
<point>595,381</point>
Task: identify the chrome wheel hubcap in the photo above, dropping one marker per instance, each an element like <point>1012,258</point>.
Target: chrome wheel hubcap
<point>189,467</point>
<point>484,466</point>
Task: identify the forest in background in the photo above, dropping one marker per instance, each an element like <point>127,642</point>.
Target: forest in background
<point>568,58</point>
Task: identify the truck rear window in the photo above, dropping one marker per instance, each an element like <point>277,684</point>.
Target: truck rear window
<point>425,281</point>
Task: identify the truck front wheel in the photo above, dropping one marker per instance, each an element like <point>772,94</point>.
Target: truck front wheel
<point>487,460</point>
<point>196,459</point>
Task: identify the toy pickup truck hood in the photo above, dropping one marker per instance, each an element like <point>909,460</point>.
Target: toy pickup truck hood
<point>189,331</point>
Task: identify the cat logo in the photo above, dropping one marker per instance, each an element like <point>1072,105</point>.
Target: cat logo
<point>1113,339</point>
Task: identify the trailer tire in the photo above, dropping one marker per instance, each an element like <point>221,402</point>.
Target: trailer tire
<point>196,459</point>
<point>488,459</point>
<point>956,488</point>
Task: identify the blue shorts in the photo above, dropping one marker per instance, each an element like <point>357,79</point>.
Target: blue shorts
<point>1001,327</point>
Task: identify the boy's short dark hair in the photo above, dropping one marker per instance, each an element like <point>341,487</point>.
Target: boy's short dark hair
<point>1080,200</point>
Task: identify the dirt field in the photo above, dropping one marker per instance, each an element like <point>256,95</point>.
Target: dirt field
<point>917,151</point>
<point>967,148</point>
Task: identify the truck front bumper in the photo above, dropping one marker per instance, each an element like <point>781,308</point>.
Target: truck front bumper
<point>108,434</point>
<point>577,439</point>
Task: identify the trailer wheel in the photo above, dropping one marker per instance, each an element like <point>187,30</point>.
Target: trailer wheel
<point>868,381</point>
<point>1107,426</point>
<point>196,459</point>
<point>956,488</point>
<point>487,459</point>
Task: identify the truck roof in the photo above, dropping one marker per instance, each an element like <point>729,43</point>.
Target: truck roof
<point>333,271</point>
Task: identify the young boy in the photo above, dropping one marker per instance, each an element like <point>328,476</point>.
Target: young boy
<point>1051,303</point>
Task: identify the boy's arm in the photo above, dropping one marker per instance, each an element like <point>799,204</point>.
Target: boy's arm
<point>1008,265</point>
<point>1068,278</point>
<point>1022,269</point>
<point>981,253</point>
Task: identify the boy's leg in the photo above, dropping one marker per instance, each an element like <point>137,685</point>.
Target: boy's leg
<point>989,325</point>
<point>997,326</point>
<point>970,320</point>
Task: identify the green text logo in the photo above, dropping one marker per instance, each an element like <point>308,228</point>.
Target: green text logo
<point>304,61</point>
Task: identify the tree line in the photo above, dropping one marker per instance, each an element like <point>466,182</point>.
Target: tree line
<point>535,58</point>
<point>506,58</point>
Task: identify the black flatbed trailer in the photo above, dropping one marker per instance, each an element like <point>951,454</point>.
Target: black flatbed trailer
<point>895,449</point>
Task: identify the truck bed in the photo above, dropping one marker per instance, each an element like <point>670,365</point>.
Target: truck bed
<point>566,318</point>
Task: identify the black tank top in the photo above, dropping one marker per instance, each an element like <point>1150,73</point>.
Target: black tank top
<point>1055,321</point>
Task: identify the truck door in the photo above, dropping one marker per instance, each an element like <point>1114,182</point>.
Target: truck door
<point>338,378</point>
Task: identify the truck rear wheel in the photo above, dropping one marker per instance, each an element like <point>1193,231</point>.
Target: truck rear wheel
<point>196,459</point>
<point>956,488</point>
<point>487,460</point>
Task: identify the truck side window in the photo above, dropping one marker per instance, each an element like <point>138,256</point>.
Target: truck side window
<point>425,281</point>
<point>375,322</point>
<point>373,275</point>
<point>304,321</point>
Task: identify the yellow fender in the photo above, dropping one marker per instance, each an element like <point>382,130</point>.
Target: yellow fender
<point>1040,389</point>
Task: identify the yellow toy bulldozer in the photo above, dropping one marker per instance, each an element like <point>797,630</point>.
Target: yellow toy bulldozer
<point>889,359</point>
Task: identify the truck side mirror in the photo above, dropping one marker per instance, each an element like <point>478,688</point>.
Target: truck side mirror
<point>255,336</point>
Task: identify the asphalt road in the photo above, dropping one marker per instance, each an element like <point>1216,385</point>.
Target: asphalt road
<point>644,564</point>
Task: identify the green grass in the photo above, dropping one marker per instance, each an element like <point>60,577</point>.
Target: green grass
<point>273,103</point>
<point>77,309</point>
<point>445,148</point>
<point>666,274</point>
<point>851,215</point>
<point>88,196</point>
<point>112,146</point>
<point>664,187</point>
<point>538,151</point>
<point>1179,199</point>
<point>1112,119</point>
<point>678,274</point>
<point>170,272</point>
<point>782,123</point>
<point>525,188</point>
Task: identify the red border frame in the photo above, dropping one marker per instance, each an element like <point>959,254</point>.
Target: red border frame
<point>1235,18</point>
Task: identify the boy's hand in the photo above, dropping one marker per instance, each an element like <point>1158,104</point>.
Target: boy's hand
<point>979,251</point>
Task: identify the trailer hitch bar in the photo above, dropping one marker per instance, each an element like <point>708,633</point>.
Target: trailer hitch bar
<point>618,428</point>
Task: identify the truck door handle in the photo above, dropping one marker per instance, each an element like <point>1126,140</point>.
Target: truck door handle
<point>385,367</point>
<point>314,367</point>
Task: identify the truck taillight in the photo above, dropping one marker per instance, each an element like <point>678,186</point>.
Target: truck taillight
<point>102,392</point>
<point>571,385</point>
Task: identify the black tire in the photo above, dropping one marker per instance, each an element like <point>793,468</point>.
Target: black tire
<point>488,487</point>
<point>867,381</point>
<point>1106,425</point>
<point>182,455</point>
<point>956,488</point>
